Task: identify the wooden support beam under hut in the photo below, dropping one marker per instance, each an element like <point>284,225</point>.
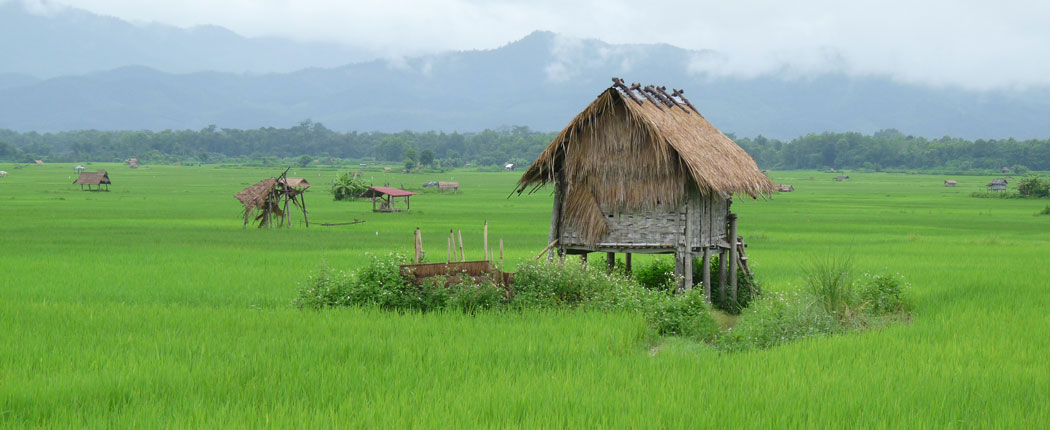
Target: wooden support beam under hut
<point>641,171</point>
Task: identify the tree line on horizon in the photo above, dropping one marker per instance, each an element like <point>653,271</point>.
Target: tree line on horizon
<point>882,150</point>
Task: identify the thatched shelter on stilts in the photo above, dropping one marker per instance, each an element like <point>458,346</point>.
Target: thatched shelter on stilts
<point>97,179</point>
<point>268,201</point>
<point>641,171</point>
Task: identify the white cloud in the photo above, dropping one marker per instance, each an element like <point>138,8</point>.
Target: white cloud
<point>975,44</point>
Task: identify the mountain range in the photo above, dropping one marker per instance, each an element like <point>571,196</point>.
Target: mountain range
<point>76,70</point>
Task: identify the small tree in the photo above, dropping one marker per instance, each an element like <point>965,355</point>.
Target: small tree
<point>426,158</point>
<point>347,186</point>
<point>305,160</point>
<point>410,164</point>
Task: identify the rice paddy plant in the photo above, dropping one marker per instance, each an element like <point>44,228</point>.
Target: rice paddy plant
<point>150,306</point>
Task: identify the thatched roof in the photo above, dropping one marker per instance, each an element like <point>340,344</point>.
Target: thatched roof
<point>636,148</point>
<point>298,183</point>
<point>92,178</point>
<point>254,197</point>
<point>673,133</point>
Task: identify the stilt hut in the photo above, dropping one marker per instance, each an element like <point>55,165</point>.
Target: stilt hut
<point>97,179</point>
<point>270,200</point>
<point>641,171</point>
<point>383,198</point>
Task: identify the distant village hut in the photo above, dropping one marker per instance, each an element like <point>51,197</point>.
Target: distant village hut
<point>841,178</point>
<point>383,199</point>
<point>509,166</point>
<point>38,162</point>
<point>96,179</point>
<point>997,185</point>
<point>270,201</point>
<point>783,188</point>
<point>1005,170</point>
<point>132,163</point>
<point>79,169</point>
<point>639,170</point>
<point>950,183</point>
<point>3,173</point>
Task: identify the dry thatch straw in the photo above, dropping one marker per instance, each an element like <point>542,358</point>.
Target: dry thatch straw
<point>626,154</point>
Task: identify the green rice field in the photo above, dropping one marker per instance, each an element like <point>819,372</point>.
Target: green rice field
<point>150,306</point>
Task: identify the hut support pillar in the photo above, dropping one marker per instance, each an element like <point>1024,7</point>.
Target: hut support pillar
<point>684,269</point>
<point>610,260</point>
<point>627,262</point>
<point>705,274</point>
<point>722,272</point>
<point>583,259</point>
<point>555,219</point>
<point>732,256</point>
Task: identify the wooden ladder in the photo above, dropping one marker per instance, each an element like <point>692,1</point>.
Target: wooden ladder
<point>741,256</point>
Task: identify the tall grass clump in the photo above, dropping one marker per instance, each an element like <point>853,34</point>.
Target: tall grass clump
<point>830,280</point>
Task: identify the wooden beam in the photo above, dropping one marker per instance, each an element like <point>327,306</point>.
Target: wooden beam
<point>706,273</point>
<point>732,256</point>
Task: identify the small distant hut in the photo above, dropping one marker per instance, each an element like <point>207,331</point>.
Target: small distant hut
<point>1005,170</point>
<point>383,199</point>
<point>268,200</point>
<point>783,188</point>
<point>38,162</point>
<point>639,170</point>
<point>950,183</point>
<point>96,179</point>
<point>298,183</point>
<point>509,166</point>
<point>841,178</point>
<point>3,173</point>
<point>132,163</point>
<point>448,186</point>
<point>997,185</point>
<point>79,169</point>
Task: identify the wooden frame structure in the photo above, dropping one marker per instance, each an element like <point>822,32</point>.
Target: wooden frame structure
<point>641,171</point>
<point>270,199</point>
<point>97,179</point>
<point>383,199</point>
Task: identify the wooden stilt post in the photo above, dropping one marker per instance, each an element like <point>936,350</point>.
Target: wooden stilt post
<point>706,273</point>
<point>419,245</point>
<point>687,268</point>
<point>627,262</point>
<point>451,245</point>
<point>306,218</point>
<point>583,259</point>
<point>732,256</point>
<point>555,218</point>
<point>462,257</point>
<point>485,241</point>
<point>722,272</point>
<point>610,261</point>
<point>501,252</point>
<point>449,249</point>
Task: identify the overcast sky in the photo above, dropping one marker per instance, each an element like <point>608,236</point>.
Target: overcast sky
<point>973,44</point>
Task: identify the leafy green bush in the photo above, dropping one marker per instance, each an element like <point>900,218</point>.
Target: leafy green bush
<point>1045,211</point>
<point>348,186</point>
<point>323,290</point>
<point>471,297</point>
<point>779,318</point>
<point>568,284</point>
<point>1034,186</point>
<point>657,275</point>
<point>882,294</point>
<point>685,314</point>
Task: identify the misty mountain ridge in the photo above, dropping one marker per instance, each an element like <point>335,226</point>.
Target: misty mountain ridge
<point>541,81</point>
<point>73,41</point>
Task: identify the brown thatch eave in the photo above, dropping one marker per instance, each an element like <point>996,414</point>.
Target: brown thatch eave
<point>715,163</point>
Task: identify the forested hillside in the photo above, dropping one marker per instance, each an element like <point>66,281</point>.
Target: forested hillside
<point>886,149</point>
